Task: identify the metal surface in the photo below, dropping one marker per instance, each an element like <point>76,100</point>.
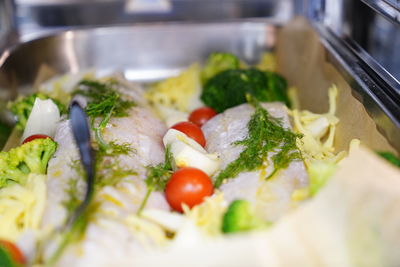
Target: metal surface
<point>133,50</point>
<point>360,22</point>
<point>101,12</point>
<point>375,94</point>
<point>150,52</point>
<point>390,9</point>
<point>8,29</point>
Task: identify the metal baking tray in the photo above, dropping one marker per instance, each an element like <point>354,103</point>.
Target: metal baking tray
<point>153,51</point>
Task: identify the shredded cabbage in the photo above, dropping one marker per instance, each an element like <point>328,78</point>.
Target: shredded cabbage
<point>208,215</point>
<point>267,62</point>
<point>317,144</point>
<point>318,132</point>
<point>180,92</point>
<point>22,206</point>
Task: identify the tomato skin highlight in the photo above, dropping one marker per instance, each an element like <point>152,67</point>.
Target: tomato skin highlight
<point>188,186</point>
<point>202,115</point>
<point>191,130</point>
<point>36,136</point>
<point>13,251</point>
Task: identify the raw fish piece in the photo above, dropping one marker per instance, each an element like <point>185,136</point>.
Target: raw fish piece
<point>143,132</point>
<point>271,198</point>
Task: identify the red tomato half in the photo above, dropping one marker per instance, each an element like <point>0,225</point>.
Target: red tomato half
<point>201,115</point>
<point>13,250</point>
<point>189,186</point>
<point>35,136</point>
<point>191,130</point>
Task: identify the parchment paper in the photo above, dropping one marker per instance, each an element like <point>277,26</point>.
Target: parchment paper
<point>302,60</point>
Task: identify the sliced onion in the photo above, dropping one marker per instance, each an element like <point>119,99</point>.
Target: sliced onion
<point>43,119</point>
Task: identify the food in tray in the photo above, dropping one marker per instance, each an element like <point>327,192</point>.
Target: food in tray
<point>217,150</point>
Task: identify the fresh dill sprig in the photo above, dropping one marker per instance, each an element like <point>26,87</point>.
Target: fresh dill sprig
<point>104,102</point>
<point>72,189</point>
<point>265,135</point>
<point>157,177</point>
<point>73,201</point>
<point>111,173</point>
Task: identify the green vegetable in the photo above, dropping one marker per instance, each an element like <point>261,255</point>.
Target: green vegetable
<point>22,107</point>
<point>390,157</point>
<point>104,102</point>
<point>229,88</point>
<point>265,135</point>
<point>32,157</point>
<point>218,62</point>
<point>319,173</point>
<point>240,218</point>
<point>158,176</point>
<point>6,259</point>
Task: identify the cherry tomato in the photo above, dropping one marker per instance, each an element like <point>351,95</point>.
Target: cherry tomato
<point>201,115</point>
<point>188,186</point>
<point>13,251</point>
<point>191,130</point>
<point>35,136</point>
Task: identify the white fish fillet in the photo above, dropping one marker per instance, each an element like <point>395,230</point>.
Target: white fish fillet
<point>271,198</point>
<point>144,132</point>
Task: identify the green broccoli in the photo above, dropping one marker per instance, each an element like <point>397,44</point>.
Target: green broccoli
<point>240,218</point>
<point>390,157</point>
<point>22,107</point>
<point>229,88</point>
<point>32,157</point>
<point>218,62</point>
<point>6,259</point>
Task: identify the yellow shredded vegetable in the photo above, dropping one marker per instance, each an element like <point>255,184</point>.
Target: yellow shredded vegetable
<point>267,62</point>
<point>181,92</point>
<point>22,206</point>
<point>318,132</point>
<point>317,144</point>
<point>208,215</point>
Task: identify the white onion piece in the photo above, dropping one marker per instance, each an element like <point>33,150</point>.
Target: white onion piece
<point>188,153</point>
<point>43,119</point>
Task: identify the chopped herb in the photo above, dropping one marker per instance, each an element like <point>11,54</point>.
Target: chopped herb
<point>111,173</point>
<point>265,135</point>
<point>158,176</point>
<point>104,102</point>
<point>73,201</point>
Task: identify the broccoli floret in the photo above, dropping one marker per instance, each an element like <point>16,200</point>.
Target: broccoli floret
<point>240,218</point>
<point>22,108</point>
<point>229,88</point>
<point>19,162</point>
<point>6,259</point>
<point>390,157</point>
<point>218,62</point>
